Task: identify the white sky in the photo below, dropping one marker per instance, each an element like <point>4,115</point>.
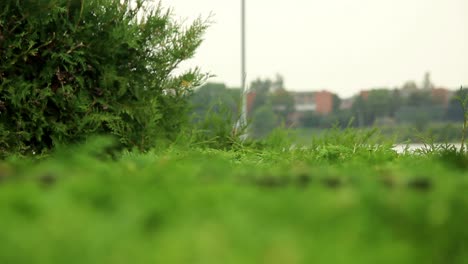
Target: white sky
<point>340,45</point>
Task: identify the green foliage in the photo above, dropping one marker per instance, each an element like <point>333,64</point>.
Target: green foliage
<point>343,200</point>
<point>217,128</point>
<point>402,133</point>
<point>283,104</point>
<point>420,98</point>
<point>203,99</point>
<point>311,119</point>
<point>336,103</point>
<point>455,111</point>
<point>420,116</point>
<point>215,116</point>
<point>349,143</point>
<point>260,88</point>
<point>71,68</point>
<point>463,100</point>
<point>264,121</point>
<point>270,96</point>
<point>380,103</point>
<point>273,92</point>
<point>438,132</point>
<point>361,111</point>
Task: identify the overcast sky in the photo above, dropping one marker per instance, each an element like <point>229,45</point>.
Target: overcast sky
<point>339,45</point>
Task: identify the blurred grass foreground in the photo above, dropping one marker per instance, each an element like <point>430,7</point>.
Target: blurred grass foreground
<point>158,187</point>
<point>330,203</point>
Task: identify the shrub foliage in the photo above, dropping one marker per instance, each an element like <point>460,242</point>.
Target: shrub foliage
<point>71,68</point>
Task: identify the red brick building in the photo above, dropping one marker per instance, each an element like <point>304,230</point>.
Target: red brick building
<point>324,102</point>
<point>250,101</point>
<point>441,96</point>
<point>319,102</point>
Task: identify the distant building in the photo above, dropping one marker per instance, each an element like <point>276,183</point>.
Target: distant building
<point>320,102</point>
<point>250,101</point>
<point>347,104</point>
<point>441,96</point>
<point>324,102</point>
<point>304,101</point>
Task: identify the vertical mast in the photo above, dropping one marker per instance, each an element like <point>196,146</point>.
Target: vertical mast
<point>243,70</point>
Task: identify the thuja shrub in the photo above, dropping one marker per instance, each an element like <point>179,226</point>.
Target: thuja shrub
<point>72,68</point>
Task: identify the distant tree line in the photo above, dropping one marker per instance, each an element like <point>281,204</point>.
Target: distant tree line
<point>270,105</point>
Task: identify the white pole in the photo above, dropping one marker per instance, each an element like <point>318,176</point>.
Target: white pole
<point>243,71</point>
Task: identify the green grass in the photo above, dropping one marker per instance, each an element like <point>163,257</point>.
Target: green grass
<point>341,200</point>
<point>402,133</point>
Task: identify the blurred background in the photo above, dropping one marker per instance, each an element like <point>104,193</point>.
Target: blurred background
<point>313,64</point>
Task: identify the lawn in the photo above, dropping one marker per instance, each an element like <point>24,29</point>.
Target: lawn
<point>333,202</point>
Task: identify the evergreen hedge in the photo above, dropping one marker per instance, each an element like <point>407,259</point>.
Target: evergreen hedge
<point>72,68</point>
